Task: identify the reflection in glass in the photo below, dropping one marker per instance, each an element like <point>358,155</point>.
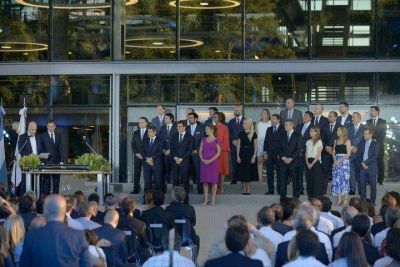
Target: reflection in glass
<point>150,89</point>
<point>354,88</point>
<point>389,30</point>
<point>34,89</point>
<point>389,91</point>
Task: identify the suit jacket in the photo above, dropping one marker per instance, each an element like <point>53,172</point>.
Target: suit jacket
<point>55,244</point>
<point>156,122</point>
<point>379,129</point>
<point>57,152</point>
<point>235,129</point>
<point>209,121</point>
<point>373,152</point>
<point>233,260</point>
<point>24,145</point>
<point>136,225</point>
<point>297,116</point>
<point>282,254</point>
<point>329,138</point>
<point>356,138</point>
<point>158,215</point>
<point>347,122</point>
<point>291,148</point>
<point>306,136</point>
<point>116,238</point>
<point>165,136</point>
<point>198,135</point>
<point>136,143</point>
<point>271,141</point>
<point>323,121</point>
<point>182,210</point>
<point>182,149</point>
<point>154,151</point>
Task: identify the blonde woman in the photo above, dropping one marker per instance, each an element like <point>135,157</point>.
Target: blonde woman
<point>315,183</point>
<point>261,130</point>
<point>246,155</point>
<point>341,167</point>
<point>15,230</point>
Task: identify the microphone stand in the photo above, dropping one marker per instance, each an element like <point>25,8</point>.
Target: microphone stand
<point>15,165</point>
<point>89,146</point>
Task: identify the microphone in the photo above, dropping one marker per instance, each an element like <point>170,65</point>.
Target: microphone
<point>84,139</point>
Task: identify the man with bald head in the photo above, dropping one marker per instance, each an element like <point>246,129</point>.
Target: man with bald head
<point>55,244</point>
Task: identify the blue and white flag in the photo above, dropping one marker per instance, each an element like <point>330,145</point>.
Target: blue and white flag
<point>3,167</point>
<point>16,171</point>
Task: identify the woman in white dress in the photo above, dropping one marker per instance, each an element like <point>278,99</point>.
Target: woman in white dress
<point>261,129</point>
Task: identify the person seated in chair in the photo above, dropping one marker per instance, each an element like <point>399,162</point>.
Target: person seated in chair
<point>157,213</point>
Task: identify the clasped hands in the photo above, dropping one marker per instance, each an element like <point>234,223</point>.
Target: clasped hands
<point>287,160</point>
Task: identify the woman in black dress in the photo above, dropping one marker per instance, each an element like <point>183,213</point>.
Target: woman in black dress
<point>247,155</point>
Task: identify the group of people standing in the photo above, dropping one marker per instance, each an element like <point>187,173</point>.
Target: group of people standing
<point>288,144</point>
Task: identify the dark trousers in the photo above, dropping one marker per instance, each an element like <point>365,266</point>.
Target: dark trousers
<point>315,183</point>
<point>152,174</point>
<point>195,159</point>
<point>167,165</point>
<point>354,175</point>
<point>368,176</point>
<point>381,166</point>
<point>272,167</point>
<point>46,181</point>
<point>300,174</point>
<point>327,162</point>
<point>234,163</point>
<point>286,170</point>
<point>137,171</point>
<point>180,174</point>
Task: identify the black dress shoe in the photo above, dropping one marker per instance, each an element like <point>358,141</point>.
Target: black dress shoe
<point>233,182</point>
<point>302,192</point>
<point>135,191</point>
<point>352,193</point>
<point>269,192</point>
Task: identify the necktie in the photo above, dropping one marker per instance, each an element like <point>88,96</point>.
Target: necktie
<point>355,129</point>
<point>290,114</point>
<point>304,129</point>
<point>274,129</point>
<point>168,129</point>
<point>366,150</point>
<point>180,137</point>
<point>151,142</point>
<point>288,137</point>
<point>317,121</point>
<point>141,134</point>
<point>331,128</point>
<point>374,122</point>
<point>193,130</point>
<point>52,138</point>
<point>237,122</point>
<point>161,120</point>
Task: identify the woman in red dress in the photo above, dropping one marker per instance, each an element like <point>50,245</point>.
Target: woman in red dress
<point>223,138</point>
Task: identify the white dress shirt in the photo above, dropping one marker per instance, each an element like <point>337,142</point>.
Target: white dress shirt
<point>275,237</point>
<point>32,140</point>
<point>323,238</point>
<point>338,236</point>
<point>379,237</point>
<point>383,262</point>
<point>87,224</point>
<point>343,121</point>
<point>162,260</point>
<point>305,262</point>
<point>325,225</point>
<point>342,262</point>
<point>337,222</point>
<point>262,256</point>
<point>73,223</point>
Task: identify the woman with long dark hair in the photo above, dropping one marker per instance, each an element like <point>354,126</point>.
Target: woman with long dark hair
<point>315,183</point>
<point>350,252</point>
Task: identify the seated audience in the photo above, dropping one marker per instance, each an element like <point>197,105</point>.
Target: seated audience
<point>99,218</point>
<point>323,224</point>
<point>43,246</point>
<point>379,223</point>
<point>392,249</point>
<point>265,219</point>
<point>391,216</point>
<point>348,214</point>
<point>15,231</point>
<point>96,254</point>
<point>157,214</point>
<point>361,225</point>
<point>350,252</point>
<point>255,253</point>
<point>86,211</point>
<point>236,239</point>
<point>79,197</point>
<point>26,210</point>
<point>39,204</point>
<point>70,221</point>
<point>37,222</point>
<point>289,209</point>
<point>327,214</point>
<point>4,249</point>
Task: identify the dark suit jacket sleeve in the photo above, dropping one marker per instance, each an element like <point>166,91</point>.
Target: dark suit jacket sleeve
<point>21,142</point>
<point>280,257</point>
<point>299,147</point>
<point>123,250</point>
<point>61,150</point>
<point>26,257</point>
<point>133,143</point>
<point>159,152</point>
<point>173,141</point>
<point>192,216</point>
<point>188,151</point>
<point>381,131</point>
<point>374,154</point>
<point>265,149</point>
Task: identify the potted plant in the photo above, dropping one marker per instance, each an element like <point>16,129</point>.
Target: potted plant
<point>96,162</point>
<point>29,162</point>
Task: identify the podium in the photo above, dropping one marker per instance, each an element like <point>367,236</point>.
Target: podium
<point>103,185</point>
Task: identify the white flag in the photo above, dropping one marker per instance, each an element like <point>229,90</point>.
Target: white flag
<point>16,171</point>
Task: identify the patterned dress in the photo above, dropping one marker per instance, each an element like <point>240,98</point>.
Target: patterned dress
<point>341,173</point>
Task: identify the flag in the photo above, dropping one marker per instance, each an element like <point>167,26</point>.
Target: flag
<point>3,167</point>
<point>16,171</point>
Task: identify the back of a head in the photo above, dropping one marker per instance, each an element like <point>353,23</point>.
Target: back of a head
<point>39,204</point>
<point>128,205</point>
<point>236,237</point>
<point>25,204</point>
<point>289,209</point>
<point>235,219</point>
<point>392,243</point>
<point>94,197</point>
<point>348,214</point>
<point>391,216</point>
<point>54,207</point>
<point>266,216</point>
<point>351,248</point>
<point>37,222</point>
<point>84,209</point>
<point>360,225</point>
<point>326,203</point>
<point>178,193</point>
<point>278,209</point>
<point>316,203</point>
<point>306,217</point>
<point>80,196</point>
<point>111,217</point>
<point>360,204</point>
<point>158,198</point>
<point>14,227</point>
<point>70,203</point>
<point>307,243</point>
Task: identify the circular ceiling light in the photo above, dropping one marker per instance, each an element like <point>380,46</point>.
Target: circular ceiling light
<point>160,43</point>
<point>94,5</point>
<point>194,4</point>
<point>22,47</point>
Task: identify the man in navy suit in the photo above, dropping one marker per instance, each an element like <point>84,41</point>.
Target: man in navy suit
<point>356,135</point>
<point>271,150</point>
<point>165,133</point>
<point>319,120</point>
<point>290,147</point>
<point>158,121</point>
<point>304,130</point>
<point>235,126</point>
<point>211,112</point>
<point>367,156</point>
<point>51,142</point>
<point>138,137</point>
<point>236,239</point>
<point>197,131</point>
<point>55,244</point>
<point>379,126</point>
<point>181,149</point>
<point>152,153</point>
<point>345,117</point>
<point>329,136</point>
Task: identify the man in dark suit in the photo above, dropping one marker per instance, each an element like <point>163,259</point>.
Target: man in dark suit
<point>304,130</point>
<point>152,152</point>
<point>157,214</point>
<point>345,117</point>
<point>235,126</point>
<point>116,237</point>
<point>329,136</point>
<point>137,138</point>
<point>290,146</point>
<point>319,120</point>
<point>211,112</point>
<point>378,125</point>
<point>291,113</point>
<point>181,149</point>
<point>236,239</point>
<point>41,248</point>
<point>196,130</point>
<point>271,150</point>
<point>367,156</point>
<point>51,142</point>
<point>356,135</point>
<point>165,133</point>
<point>158,121</point>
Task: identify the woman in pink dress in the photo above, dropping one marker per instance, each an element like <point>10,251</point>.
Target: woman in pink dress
<point>209,165</point>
